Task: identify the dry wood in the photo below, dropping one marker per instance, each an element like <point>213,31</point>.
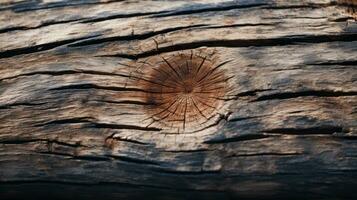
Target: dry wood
<point>203,99</point>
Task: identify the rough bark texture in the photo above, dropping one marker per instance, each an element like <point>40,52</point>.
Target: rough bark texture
<point>73,108</point>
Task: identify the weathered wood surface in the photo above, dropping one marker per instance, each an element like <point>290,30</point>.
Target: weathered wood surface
<point>72,123</point>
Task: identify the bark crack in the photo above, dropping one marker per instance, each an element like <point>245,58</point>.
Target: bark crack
<point>266,42</point>
<point>323,130</point>
<point>314,93</point>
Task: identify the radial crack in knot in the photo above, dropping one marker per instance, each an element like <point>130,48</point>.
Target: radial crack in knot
<point>184,91</point>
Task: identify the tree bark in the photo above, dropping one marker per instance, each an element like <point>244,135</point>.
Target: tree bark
<point>270,112</point>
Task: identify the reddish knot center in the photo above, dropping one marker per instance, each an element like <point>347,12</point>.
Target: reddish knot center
<point>182,91</point>
<point>188,88</point>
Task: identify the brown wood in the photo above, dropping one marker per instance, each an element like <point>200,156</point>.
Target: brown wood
<point>202,99</point>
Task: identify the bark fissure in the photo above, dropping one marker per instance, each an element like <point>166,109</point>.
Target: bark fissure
<point>119,16</point>
<point>64,72</point>
<point>134,160</point>
<point>39,48</point>
<point>236,139</point>
<point>281,41</point>
<point>265,154</point>
<point>123,126</point>
<point>313,93</point>
<point>25,104</point>
<point>132,37</point>
<point>323,130</point>
<point>67,121</point>
<point>20,141</point>
<point>344,62</point>
<point>33,5</point>
<point>44,24</point>
<point>116,138</point>
<point>209,9</point>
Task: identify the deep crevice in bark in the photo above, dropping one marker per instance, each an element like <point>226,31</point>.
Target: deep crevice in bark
<point>9,106</point>
<point>132,102</point>
<point>86,86</point>
<point>131,37</point>
<point>308,5</point>
<point>345,62</point>
<point>49,141</point>
<point>126,140</point>
<point>65,72</point>
<point>123,126</point>
<point>34,5</point>
<point>134,160</point>
<point>118,16</point>
<point>313,93</point>
<point>76,120</point>
<point>264,154</point>
<point>22,28</point>
<point>188,173</point>
<point>323,130</point>
<point>240,25</point>
<point>289,40</point>
<point>38,48</point>
<point>236,139</point>
<point>209,9</point>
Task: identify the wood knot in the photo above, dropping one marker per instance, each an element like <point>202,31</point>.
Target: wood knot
<point>183,91</point>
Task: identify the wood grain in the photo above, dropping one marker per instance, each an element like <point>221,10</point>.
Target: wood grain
<point>73,76</point>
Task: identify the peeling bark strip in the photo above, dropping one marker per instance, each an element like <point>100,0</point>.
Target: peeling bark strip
<point>202,99</point>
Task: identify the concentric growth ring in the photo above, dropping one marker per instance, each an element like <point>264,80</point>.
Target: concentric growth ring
<point>183,91</point>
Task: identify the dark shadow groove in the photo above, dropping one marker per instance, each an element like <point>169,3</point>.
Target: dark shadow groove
<point>133,160</point>
<point>342,19</point>
<point>76,120</point>
<point>103,158</point>
<point>90,124</point>
<point>189,151</point>
<point>323,130</point>
<point>131,37</point>
<point>250,93</point>
<point>236,139</point>
<point>187,173</point>
<point>21,141</point>
<point>282,41</point>
<point>313,93</point>
<point>242,6</point>
<point>39,48</point>
<point>22,28</point>
<point>65,72</point>
<point>208,9</point>
<point>309,5</point>
<point>8,106</point>
<point>88,86</point>
<point>127,140</point>
<point>132,102</point>
<point>123,126</point>
<point>118,16</point>
<point>241,25</point>
<point>265,154</point>
<point>94,86</point>
<point>91,158</point>
<point>245,118</point>
<point>32,6</point>
<point>347,62</point>
<point>98,184</point>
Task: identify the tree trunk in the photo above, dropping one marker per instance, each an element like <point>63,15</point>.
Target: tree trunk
<point>203,99</point>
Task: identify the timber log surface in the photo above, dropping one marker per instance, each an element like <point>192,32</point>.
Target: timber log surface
<point>202,99</point>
